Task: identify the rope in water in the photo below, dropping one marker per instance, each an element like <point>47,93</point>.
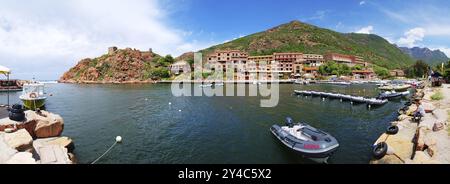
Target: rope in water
<point>118,140</point>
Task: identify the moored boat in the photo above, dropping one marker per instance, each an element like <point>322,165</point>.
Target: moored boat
<point>306,140</point>
<point>395,87</point>
<point>33,96</point>
<point>390,95</point>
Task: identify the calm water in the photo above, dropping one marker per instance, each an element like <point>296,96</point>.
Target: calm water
<point>208,129</point>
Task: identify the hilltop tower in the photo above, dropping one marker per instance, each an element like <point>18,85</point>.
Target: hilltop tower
<point>112,50</point>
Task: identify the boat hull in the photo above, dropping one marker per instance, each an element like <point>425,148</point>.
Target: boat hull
<point>33,104</point>
<point>320,155</point>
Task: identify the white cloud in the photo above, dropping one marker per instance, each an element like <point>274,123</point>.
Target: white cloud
<point>362,2</point>
<point>365,30</point>
<point>319,15</point>
<point>50,33</point>
<point>411,37</point>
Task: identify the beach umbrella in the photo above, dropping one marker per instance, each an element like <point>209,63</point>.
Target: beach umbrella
<point>5,71</point>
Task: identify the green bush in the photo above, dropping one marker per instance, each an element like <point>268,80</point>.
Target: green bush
<point>381,71</point>
<point>437,96</point>
<point>159,73</point>
<point>334,68</point>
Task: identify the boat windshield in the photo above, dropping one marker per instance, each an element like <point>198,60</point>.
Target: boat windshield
<point>39,89</point>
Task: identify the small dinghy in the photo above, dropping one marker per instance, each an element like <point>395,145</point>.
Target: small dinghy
<point>389,95</point>
<point>306,140</point>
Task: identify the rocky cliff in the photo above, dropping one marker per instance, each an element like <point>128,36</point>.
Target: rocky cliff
<point>118,66</point>
<point>431,57</point>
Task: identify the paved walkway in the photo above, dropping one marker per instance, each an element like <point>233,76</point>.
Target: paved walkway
<point>442,137</point>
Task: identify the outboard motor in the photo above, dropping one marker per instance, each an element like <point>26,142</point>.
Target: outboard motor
<point>289,122</point>
<point>16,113</point>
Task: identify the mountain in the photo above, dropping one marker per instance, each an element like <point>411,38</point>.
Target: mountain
<point>431,57</point>
<point>301,37</point>
<point>118,66</point>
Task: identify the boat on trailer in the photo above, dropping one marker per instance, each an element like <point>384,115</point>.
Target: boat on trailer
<point>306,140</point>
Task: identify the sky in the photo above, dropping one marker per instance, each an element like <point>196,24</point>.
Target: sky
<point>45,38</point>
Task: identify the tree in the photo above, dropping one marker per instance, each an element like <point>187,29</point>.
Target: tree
<point>357,67</point>
<point>419,69</point>
<point>333,68</point>
<point>169,59</point>
<point>160,73</point>
<point>165,61</point>
<point>381,72</point>
<point>447,71</point>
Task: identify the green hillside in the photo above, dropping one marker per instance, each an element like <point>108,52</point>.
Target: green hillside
<point>300,37</point>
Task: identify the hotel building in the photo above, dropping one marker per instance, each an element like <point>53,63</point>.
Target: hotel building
<point>230,60</point>
<point>345,59</point>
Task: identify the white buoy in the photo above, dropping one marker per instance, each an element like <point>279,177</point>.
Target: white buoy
<point>370,106</point>
<point>179,110</point>
<point>323,99</point>
<point>341,99</point>
<point>146,99</point>
<point>351,103</point>
<point>170,103</point>
<point>119,139</point>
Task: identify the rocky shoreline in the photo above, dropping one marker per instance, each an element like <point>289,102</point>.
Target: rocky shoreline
<point>432,145</point>
<point>37,140</point>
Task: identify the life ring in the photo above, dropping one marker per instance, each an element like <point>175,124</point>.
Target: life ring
<point>33,95</point>
<point>380,150</point>
<point>392,130</point>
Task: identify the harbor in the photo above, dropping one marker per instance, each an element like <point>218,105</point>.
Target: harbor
<point>160,128</point>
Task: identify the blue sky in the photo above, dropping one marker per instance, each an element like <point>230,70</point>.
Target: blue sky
<point>44,38</point>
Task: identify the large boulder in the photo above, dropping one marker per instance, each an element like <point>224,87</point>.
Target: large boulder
<point>388,159</point>
<point>422,158</point>
<point>53,154</point>
<point>6,152</point>
<point>38,125</point>
<point>20,140</point>
<point>47,124</point>
<point>22,158</point>
<point>58,141</point>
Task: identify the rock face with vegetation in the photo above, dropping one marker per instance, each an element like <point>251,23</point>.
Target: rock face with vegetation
<point>119,66</point>
<point>300,37</point>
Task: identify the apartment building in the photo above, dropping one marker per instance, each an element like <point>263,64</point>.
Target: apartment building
<point>289,64</point>
<point>313,60</point>
<point>233,60</point>
<point>345,59</point>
